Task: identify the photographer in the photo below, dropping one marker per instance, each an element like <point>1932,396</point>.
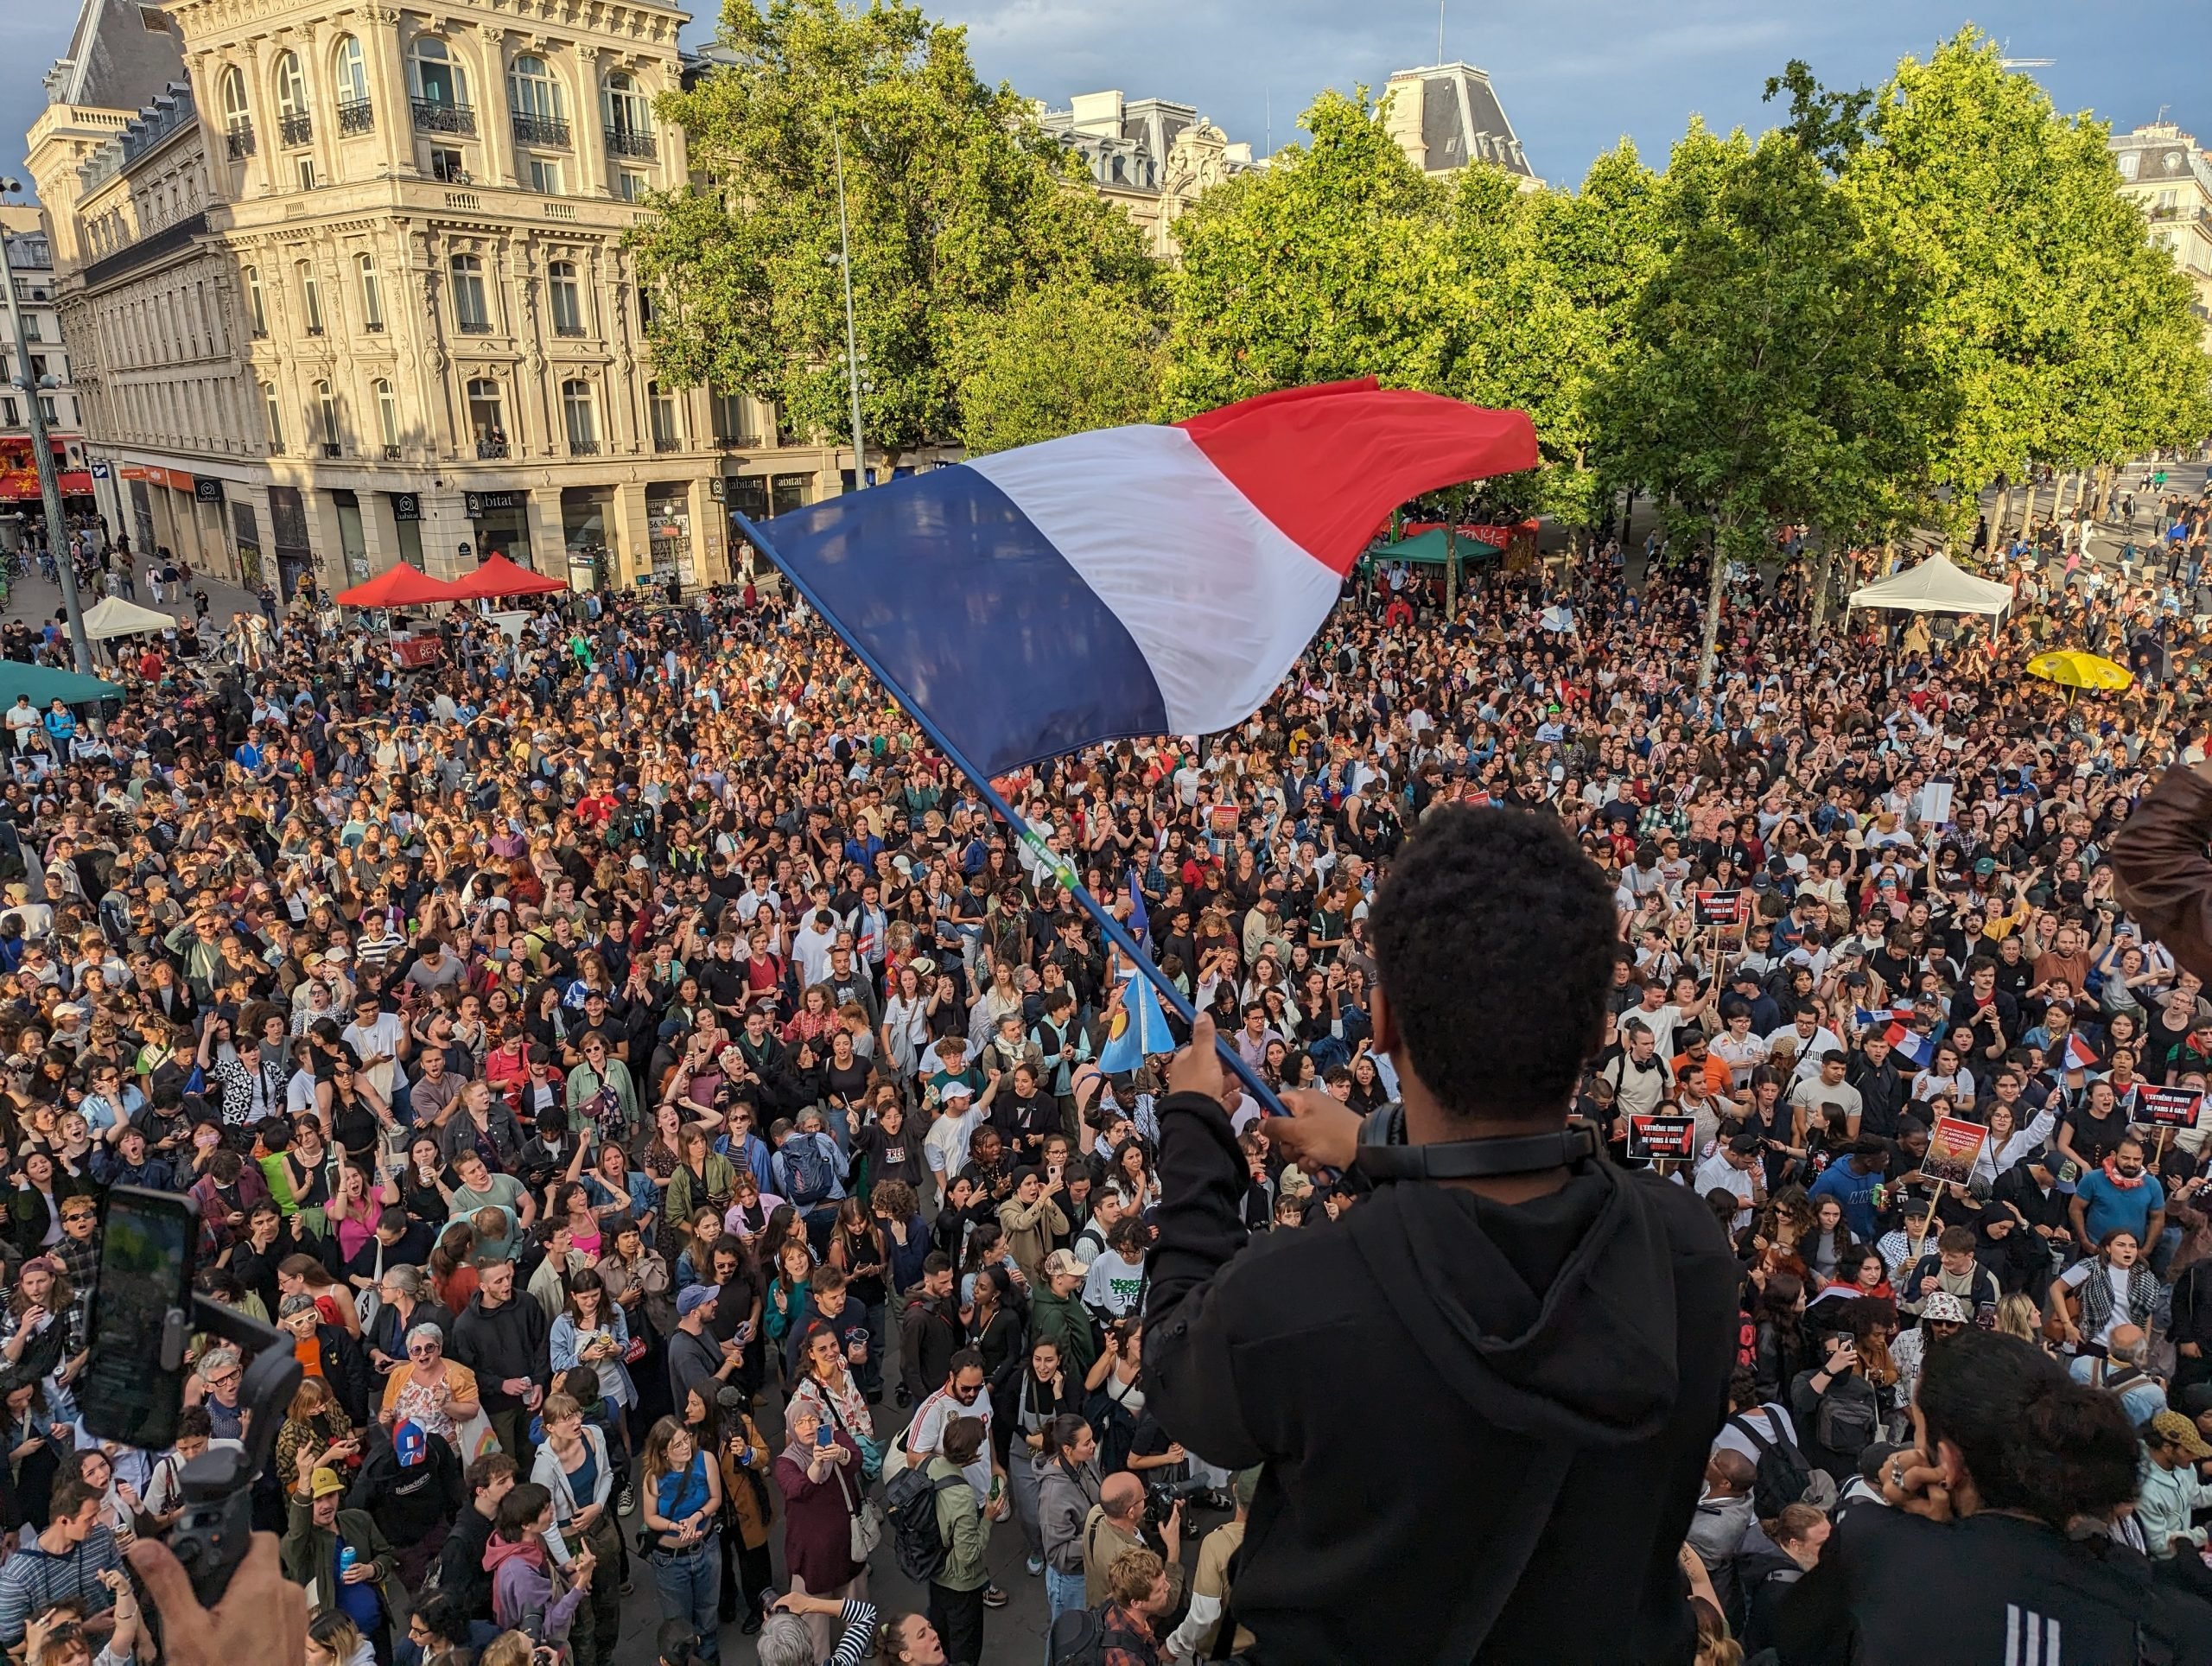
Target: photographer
<point>1127,1518</point>
<point>1571,1324</point>
<point>1837,1410</point>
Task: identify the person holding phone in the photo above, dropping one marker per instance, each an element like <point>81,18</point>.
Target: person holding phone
<point>1836,1409</point>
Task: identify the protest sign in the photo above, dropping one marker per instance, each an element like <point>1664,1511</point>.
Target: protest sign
<point>1657,1137</point>
<point>1952,1147</point>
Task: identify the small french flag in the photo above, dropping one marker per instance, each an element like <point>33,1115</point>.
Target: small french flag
<point>1148,579</point>
<point>2079,1054</point>
<point>1909,1045</point>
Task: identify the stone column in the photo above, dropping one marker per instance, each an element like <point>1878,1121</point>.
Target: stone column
<point>592,169</point>
<point>496,132</point>
<point>549,549</point>
<point>395,115</point>
<point>627,537</point>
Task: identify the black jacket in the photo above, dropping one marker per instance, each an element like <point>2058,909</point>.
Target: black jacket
<point>501,1342</point>
<point>1892,1589</point>
<point>1882,1094</point>
<point>1568,1358</point>
<point>345,1367</point>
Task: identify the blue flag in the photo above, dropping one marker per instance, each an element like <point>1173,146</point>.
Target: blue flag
<point>1140,922</point>
<point>1140,1027</point>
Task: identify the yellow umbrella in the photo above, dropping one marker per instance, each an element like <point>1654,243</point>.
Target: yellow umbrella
<point>2072,669</point>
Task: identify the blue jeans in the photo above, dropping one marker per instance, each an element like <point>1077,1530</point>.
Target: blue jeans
<point>1062,1591</point>
<point>690,1587</point>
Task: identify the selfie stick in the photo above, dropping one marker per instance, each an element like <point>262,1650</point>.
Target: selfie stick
<point>210,1538</point>
<point>1116,934</point>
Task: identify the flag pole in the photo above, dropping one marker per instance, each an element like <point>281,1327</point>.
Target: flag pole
<point>1116,933</point>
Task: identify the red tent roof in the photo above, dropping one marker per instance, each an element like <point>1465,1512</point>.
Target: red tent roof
<point>398,587</point>
<point>498,576</point>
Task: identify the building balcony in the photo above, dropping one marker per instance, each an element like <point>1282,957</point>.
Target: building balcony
<point>357,115</point>
<point>737,442</point>
<point>330,448</point>
<point>314,329</point>
<point>391,453</point>
<point>296,129</point>
<point>491,450</point>
<point>475,327</point>
<point>628,141</point>
<point>435,116</point>
<point>237,142</point>
<point>583,447</point>
<point>541,130</point>
<point>666,442</point>
<point>568,329</point>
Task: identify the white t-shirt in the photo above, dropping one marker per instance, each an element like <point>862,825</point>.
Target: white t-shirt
<point>927,1434</point>
<point>383,1036</point>
<point>1765,1417</point>
<point>2078,1274</point>
<point>1113,1284</point>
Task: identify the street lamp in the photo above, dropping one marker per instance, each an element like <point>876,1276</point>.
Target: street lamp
<point>49,483</point>
<point>852,340</point>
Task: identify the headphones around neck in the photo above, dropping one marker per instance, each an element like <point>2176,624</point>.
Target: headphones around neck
<point>1384,1156</point>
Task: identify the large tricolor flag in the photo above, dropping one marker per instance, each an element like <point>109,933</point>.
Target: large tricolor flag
<point>1130,581</point>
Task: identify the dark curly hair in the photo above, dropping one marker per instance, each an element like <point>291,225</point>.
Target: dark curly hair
<point>1487,912</point>
<point>2032,1438</point>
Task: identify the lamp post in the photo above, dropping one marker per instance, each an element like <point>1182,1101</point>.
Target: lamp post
<point>852,338</point>
<point>49,483</point>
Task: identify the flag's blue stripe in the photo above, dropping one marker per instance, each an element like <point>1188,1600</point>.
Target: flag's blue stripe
<point>978,617</point>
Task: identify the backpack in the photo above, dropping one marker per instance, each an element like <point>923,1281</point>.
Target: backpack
<point>912,1495</point>
<point>1847,1424</point>
<point>812,1175</point>
<point>1080,1637</point>
<point>1783,1478</point>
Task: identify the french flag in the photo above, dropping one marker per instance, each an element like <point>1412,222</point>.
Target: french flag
<point>1140,581</point>
<point>2079,1054</point>
<point>1909,1045</point>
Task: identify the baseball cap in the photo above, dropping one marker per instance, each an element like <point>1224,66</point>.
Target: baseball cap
<point>695,1297</point>
<point>410,1444</point>
<point>956,1090</point>
<point>1946,1307</point>
<point>2176,1431</point>
<point>1062,1263</point>
<point>325,1483</point>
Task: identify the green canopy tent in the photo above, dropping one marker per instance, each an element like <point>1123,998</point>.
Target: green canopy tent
<point>45,685</point>
<point>1428,550</point>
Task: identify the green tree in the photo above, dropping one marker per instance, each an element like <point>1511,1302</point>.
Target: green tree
<point>2064,334</point>
<point>1058,361</point>
<point>1767,360</point>
<point>959,206</point>
<point>1327,265</point>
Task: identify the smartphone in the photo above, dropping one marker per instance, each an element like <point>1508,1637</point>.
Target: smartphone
<point>825,1435</point>
<point>132,1391</point>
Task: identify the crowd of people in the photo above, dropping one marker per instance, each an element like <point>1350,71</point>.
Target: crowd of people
<point>665,1108</point>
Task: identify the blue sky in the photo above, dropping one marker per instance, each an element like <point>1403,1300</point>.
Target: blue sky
<point>1575,74</point>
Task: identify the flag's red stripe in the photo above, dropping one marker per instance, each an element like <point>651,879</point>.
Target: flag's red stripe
<point>1327,464</point>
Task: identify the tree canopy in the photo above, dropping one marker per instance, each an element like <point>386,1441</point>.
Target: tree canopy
<point>960,206</point>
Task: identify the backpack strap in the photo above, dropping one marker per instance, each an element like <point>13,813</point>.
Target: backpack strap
<point>1750,1431</point>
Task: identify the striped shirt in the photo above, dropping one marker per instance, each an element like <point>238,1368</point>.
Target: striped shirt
<point>32,1581</point>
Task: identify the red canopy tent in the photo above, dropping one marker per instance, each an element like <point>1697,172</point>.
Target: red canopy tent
<point>498,576</point>
<point>399,586</point>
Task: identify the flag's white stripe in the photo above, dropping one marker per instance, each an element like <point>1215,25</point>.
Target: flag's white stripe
<point>1218,601</point>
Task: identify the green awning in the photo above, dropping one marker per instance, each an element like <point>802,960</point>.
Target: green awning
<point>1427,549</point>
<point>45,685</point>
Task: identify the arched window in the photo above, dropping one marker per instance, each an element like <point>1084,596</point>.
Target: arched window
<point>438,76</point>
<point>371,292</point>
<point>580,415</point>
<point>275,415</point>
<point>387,416</point>
<point>237,115</point>
<point>257,304</point>
<point>627,110</point>
<point>565,296</point>
<point>326,404</point>
<point>353,73</point>
<point>470,311</point>
<point>535,92</point>
<point>292,85</point>
<point>310,298</point>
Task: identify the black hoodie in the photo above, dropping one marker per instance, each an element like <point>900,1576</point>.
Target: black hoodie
<point>1484,1425</point>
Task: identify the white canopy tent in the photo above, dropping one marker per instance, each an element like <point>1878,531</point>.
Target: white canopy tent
<point>113,616</point>
<point>1934,587</point>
